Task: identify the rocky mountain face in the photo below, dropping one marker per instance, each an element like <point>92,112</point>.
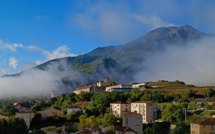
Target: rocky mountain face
<point>117,62</point>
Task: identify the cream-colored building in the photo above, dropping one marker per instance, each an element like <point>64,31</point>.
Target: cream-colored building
<point>206,126</point>
<point>147,109</point>
<point>118,108</point>
<point>134,121</point>
<point>26,115</point>
<point>91,88</point>
<point>51,112</point>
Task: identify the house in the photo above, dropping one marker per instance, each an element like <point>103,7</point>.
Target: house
<point>23,105</point>
<point>147,109</point>
<point>118,88</point>
<point>26,115</point>
<point>134,121</point>
<point>118,108</point>
<point>210,101</point>
<point>206,126</point>
<point>73,108</point>
<point>125,130</point>
<point>51,112</point>
<point>91,88</point>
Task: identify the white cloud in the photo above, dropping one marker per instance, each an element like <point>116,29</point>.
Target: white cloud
<point>152,21</point>
<point>11,47</point>
<point>60,52</point>
<point>13,62</point>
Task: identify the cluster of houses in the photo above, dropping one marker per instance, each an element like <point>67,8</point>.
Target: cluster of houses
<point>134,114</point>
<point>102,86</point>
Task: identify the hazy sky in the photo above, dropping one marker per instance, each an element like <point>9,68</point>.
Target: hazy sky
<point>34,31</point>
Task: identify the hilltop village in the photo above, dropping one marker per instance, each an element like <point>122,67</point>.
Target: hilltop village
<point>162,107</point>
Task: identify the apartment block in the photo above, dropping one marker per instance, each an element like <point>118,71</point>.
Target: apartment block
<point>119,108</point>
<point>147,109</point>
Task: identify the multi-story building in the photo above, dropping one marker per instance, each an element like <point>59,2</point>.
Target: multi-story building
<point>118,88</point>
<point>206,126</point>
<point>134,121</point>
<point>147,109</point>
<point>91,88</point>
<point>118,108</point>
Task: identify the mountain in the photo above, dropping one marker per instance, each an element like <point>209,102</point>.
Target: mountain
<point>117,62</point>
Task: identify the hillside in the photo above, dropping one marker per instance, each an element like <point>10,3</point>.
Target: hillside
<point>117,62</point>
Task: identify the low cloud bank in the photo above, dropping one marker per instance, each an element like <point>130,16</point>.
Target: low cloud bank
<point>192,63</point>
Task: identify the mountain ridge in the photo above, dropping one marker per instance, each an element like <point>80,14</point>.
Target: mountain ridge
<point>118,62</point>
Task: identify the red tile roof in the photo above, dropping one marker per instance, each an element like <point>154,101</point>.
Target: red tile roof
<point>119,102</point>
<point>209,121</point>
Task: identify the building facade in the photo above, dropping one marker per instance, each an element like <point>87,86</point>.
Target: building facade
<point>51,112</point>
<point>147,109</point>
<point>26,115</point>
<point>118,108</point>
<point>206,126</point>
<point>134,121</point>
<point>91,88</point>
<point>118,88</point>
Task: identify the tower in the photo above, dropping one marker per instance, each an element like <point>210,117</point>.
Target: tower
<point>52,94</point>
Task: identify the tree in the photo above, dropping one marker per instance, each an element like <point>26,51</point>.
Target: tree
<point>8,109</point>
<point>152,96</point>
<point>187,94</point>
<point>82,122</point>
<point>209,93</point>
<point>173,113</point>
<point>13,125</point>
<point>181,129</point>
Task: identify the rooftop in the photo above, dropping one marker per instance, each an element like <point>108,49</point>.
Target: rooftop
<point>209,121</point>
<point>142,102</point>
<point>119,102</point>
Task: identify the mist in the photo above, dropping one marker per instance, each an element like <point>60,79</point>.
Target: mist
<point>35,82</point>
<point>193,63</point>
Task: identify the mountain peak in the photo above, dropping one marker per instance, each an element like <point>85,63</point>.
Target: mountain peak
<point>175,33</point>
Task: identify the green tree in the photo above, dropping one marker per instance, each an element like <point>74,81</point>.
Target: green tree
<point>181,129</point>
<point>18,126</point>
<point>209,93</point>
<point>173,113</point>
<point>154,96</point>
<point>8,109</point>
<point>82,122</point>
<point>187,94</point>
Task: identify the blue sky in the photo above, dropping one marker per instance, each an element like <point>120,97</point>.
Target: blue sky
<point>33,32</point>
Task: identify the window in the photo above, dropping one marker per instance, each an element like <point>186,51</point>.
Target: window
<point>212,127</point>
<point>126,121</point>
<point>203,126</point>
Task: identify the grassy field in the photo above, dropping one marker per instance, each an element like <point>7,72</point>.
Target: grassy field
<point>176,87</point>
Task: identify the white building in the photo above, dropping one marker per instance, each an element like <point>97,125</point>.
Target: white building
<point>118,108</point>
<point>147,109</point>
